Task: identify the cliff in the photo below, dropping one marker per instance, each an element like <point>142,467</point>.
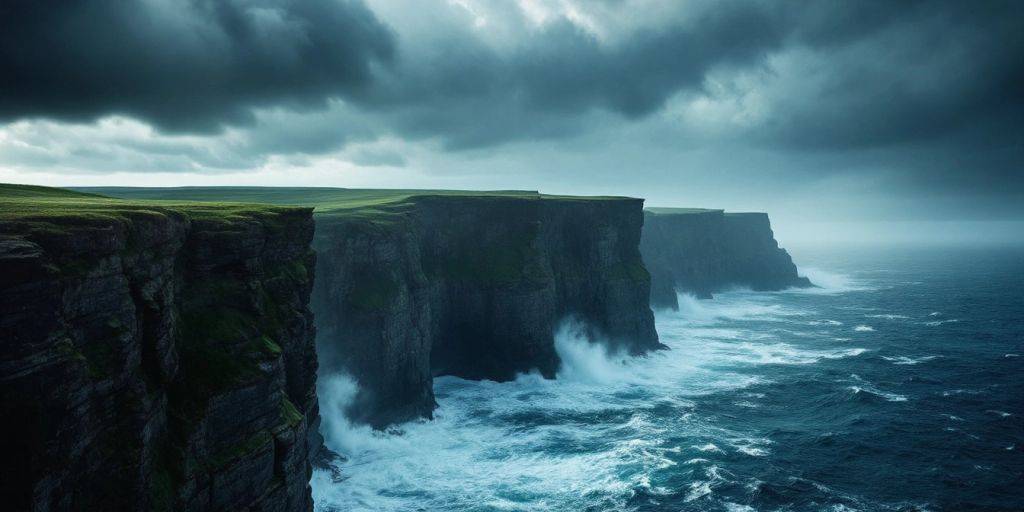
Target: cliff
<point>703,251</point>
<point>154,356</point>
<point>413,284</point>
<point>473,286</point>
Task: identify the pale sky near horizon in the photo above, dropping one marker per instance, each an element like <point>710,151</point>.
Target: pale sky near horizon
<point>874,113</point>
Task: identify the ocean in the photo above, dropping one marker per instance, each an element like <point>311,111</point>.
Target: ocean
<point>895,385</point>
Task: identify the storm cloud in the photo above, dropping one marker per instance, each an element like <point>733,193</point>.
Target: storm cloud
<point>184,66</point>
<point>918,99</point>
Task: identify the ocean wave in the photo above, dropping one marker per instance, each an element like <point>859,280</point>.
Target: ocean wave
<point>751,447</point>
<point>736,507</point>
<point>936,323</point>
<point>715,477</point>
<point>863,387</point>
<point>864,328</point>
<point>892,397</point>
<point>732,307</point>
<point>709,447</point>
<point>904,360</point>
<point>784,353</point>
<point>889,317</point>
<point>953,392</point>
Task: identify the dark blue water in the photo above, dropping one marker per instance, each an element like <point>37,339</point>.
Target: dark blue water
<point>896,386</point>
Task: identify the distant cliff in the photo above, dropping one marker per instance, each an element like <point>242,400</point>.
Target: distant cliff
<point>154,357</point>
<point>473,286</point>
<point>704,251</point>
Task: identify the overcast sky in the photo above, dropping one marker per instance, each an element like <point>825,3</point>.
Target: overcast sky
<point>848,110</point>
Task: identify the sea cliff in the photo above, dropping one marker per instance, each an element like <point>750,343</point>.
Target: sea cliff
<point>154,356</point>
<point>473,286</point>
<point>702,251</point>
<point>413,284</point>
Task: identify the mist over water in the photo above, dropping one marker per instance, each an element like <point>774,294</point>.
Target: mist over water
<point>894,386</point>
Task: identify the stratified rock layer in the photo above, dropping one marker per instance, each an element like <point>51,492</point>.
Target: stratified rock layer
<point>473,286</point>
<point>704,251</point>
<point>152,359</point>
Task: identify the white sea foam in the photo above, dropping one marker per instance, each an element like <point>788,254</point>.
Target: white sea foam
<point>710,447</point>
<point>864,328</point>
<point>752,447</point>
<point>736,507</point>
<point>936,323</point>
<point>889,317</point>
<point>904,360</point>
<point>824,322</point>
<point>732,306</point>
<point>784,353</point>
<point>863,386</point>
<point>585,360</point>
<point>892,397</point>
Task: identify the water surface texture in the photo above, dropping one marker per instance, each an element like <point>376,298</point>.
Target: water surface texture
<point>895,386</point>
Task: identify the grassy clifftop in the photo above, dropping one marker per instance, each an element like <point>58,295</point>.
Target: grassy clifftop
<point>34,207</point>
<point>379,206</point>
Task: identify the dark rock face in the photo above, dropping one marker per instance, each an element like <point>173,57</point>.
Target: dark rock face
<point>702,252</point>
<point>473,287</point>
<point>156,362</point>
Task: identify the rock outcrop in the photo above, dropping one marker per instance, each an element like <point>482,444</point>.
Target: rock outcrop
<point>703,251</point>
<point>155,357</point>
<point>473,286</point>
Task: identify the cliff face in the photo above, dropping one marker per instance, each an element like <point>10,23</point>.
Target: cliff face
<point>156,358</point>
<point>703,251</point>
<point>412,284</point>
<point>473,286</point>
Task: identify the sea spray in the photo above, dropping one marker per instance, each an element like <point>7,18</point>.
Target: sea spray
<point>587,360</point>
<point>336,393</point>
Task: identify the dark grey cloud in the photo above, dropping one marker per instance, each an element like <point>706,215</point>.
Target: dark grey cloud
<point>893,72</point>
<point>923,96</point>
<point>473,94</point>
<point>915,72</point>
<point>879,73</point>
<point>184,66</point>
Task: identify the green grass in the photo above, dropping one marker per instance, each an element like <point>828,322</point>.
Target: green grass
<point>52,210</point>
<point>374,208</point>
